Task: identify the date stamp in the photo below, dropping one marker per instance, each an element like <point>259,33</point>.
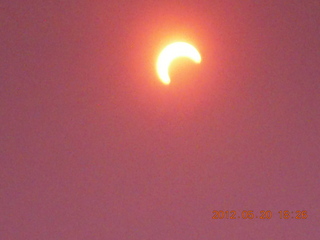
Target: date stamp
<point>263,214</point>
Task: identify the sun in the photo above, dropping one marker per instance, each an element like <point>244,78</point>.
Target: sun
<point>170,53</point>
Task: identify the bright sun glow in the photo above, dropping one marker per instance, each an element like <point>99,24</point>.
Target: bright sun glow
<point>170,53</point>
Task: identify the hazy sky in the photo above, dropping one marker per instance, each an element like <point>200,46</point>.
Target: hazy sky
<point>94,146</point>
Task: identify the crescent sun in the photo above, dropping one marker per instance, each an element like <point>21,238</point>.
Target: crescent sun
<point>170,53</point>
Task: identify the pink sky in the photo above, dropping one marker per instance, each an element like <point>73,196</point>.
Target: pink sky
<point>94,146</point>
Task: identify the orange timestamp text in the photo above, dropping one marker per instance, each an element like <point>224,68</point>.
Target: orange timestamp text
<point>263,214</point>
